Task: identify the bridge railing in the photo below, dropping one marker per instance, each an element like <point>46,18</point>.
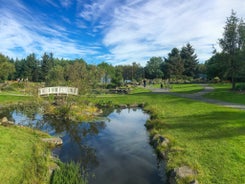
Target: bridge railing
<point>58,90</point>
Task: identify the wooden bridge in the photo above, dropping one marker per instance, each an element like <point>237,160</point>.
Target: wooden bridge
<point>58,90</point>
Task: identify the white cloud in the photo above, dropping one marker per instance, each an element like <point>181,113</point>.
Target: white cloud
<point>141,29</point>
<point>132,30</point>
<point>22,34</point>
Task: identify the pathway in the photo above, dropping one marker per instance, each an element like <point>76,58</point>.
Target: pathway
<point>199,96</point>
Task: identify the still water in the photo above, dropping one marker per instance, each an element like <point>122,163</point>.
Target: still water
<point>115,150</point>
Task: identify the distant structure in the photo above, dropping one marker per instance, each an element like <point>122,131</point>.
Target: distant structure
<point>58,90</point>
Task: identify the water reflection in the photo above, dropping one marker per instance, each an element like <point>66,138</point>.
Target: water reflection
<point>116,150</point>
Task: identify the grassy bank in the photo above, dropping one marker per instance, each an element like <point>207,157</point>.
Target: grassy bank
<point>205,137</point>
<point>223,92</point>
<point>10,99</point>
<point>24,157</point>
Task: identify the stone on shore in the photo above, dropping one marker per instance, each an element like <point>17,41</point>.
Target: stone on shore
<point>56,141</point>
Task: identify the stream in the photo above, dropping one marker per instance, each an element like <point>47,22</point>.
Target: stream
<point>115,150</point>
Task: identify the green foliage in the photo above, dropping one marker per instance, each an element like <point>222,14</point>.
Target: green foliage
<point>153,68</point>
<point>68,173</point>
<point>174,65</point>
<point>6,67</point>
<point>190,60</point>
<point>232,44</point>
<point>217,67</point>
<point>240,87</point>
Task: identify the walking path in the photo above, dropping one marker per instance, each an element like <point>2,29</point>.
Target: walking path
<point>199,96</point>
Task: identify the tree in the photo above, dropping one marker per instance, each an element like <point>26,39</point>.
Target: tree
<point>190,60</point>
<point>107,71</point>
<point>6,67</point>
<point>117,79</point>
<point>32,68</point>
<point>173,65</point>
<point>56,76</point>
<point>215,66</point>
<point>47,63</point>
<point>153,68</point>
<point>232,44</point>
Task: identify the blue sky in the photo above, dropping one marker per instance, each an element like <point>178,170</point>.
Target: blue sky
<point>114,31</point>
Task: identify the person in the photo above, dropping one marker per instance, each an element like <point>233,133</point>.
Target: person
<point>144,81</point>
<point>161,85</point>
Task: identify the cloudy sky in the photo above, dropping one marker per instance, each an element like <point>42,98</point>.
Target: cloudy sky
<point>114,31</point>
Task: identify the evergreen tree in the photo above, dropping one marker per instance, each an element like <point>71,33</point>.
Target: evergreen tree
<point>232,44</point>
<point>173,65</point>
<point>190,60</point>
<point>47,63</point>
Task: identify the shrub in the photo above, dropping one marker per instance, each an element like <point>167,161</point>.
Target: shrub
<point>240,86</point>
<point>68,173</point>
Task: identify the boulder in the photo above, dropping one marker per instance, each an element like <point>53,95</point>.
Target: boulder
<point>159,140</point>
<point>6,122</point>
<point>56,141</point>
<point>181,173</point>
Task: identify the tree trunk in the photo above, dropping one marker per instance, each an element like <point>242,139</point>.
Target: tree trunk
<point>233,82</point>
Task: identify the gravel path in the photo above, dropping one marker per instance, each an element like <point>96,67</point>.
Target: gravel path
<point>199,96</point>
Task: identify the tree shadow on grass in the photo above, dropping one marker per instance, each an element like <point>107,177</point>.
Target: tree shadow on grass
<point>214,125</point>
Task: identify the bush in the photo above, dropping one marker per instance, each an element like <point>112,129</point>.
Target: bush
<point>240,86</point>
<point>68,173</point>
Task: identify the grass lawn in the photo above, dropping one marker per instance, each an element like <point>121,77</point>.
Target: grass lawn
<point>6,98</point>
<point>223,92</point>
<point>186,88</point>
<point>203,136</point>
<point>23,157</point>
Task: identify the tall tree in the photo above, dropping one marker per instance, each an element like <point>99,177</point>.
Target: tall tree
<point>47,63</point>
<point>32,71</point>
<point>190,60</point>
<point>6,67</point>
<point>216,68</point>
<point>232,44</point>
<point>173,65</point>
<point>153,68</point>
<point>107,71</point>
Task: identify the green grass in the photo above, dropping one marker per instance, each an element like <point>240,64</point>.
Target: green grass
<point>24,157</point>
<point>186,88</point>
<point>206,137</point>
<point>223,92</point>
<point>68,173</point>
<point>7,98</point>
<point>203,136</point>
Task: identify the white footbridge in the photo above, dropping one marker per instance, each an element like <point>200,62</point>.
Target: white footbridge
<point>58,90</point>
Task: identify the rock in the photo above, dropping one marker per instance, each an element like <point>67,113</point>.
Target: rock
<point>133,105</point>
<point>4,120</point>
<point>194,182</point>
<point>53,141</point>
<point>181,173</point>
<point>163,155</point>
<point>123,106</point>
<point>159,140</point>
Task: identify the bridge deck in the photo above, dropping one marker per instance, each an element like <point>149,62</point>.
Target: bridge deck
<point>58,90</point>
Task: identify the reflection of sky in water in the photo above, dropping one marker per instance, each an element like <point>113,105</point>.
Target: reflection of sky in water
<point>114,151</point>
<point>123,150</point>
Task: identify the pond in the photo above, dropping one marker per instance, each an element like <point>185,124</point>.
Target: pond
<point>115,150</point>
